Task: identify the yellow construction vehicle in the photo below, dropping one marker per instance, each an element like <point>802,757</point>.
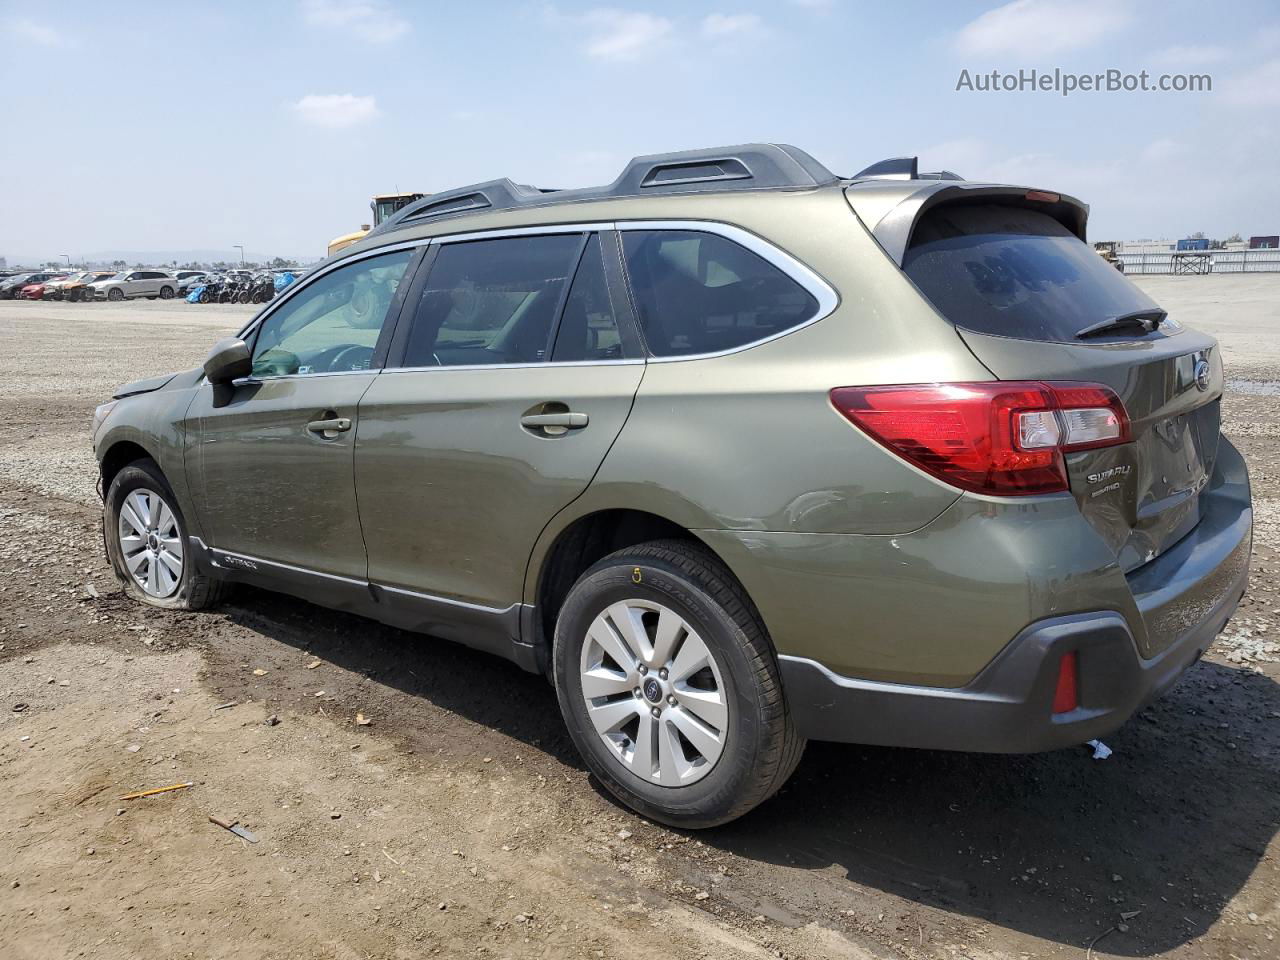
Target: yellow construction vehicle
<point>383,206</point>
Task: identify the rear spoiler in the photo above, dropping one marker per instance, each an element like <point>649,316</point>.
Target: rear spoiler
<point>891,216</point>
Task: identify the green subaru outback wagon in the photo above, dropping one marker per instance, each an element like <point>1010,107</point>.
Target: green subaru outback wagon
<point>737,452</point>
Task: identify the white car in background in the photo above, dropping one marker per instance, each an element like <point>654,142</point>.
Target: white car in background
<point>131,284</point>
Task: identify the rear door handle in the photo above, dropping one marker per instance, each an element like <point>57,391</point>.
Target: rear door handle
<point>568,421</point>
<point>330,428</point>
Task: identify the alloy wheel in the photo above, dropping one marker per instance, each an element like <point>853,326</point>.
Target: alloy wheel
<point>151,543</point>
<point>654,693</point>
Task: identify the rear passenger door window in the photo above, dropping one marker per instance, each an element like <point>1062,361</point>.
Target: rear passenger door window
<point>588,329</point>
<point>698,292</point>
<point>489,302</point>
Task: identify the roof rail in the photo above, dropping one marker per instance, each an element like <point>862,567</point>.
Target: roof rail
<point>753,166</point>
<point>902,168</point>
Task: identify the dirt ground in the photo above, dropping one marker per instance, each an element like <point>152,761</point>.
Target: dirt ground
<point>459,822</point>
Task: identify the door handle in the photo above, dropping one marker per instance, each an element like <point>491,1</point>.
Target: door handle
<point>566,421</point>
<point>330,428</point>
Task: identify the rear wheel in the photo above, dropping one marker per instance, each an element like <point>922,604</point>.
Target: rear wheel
<point>669,686</point>
<point>166,293</point>
<point>146,538</point>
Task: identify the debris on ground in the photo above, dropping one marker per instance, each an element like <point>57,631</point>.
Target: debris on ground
<point>259,672</point>
<point>362,720</point>
<point>224,706</point>
<point>313,664</point>
<point>152,793</point>
<point>272,720</point>
<point>234,827</point>
<point>1100,750</point>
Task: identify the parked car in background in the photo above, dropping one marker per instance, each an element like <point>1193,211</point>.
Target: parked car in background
<point>10,288</point>
<point>35,291</point>
<point>988,509</point>
<point>78,288</point>
<point>190,278</point>
<point>132,284</point>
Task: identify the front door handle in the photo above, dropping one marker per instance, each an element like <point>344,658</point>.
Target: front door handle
<point>567,420</point>
<point>330,428</point>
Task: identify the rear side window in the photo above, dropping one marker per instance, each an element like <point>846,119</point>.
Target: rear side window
<point>1014,272</point>
<point>701,293</point>
<point>588,327</point>
<point>491,301</point>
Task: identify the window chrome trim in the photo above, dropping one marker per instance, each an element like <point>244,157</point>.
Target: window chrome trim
<point>828,299</point>
<point>293,289</point>
<point>531,231</point>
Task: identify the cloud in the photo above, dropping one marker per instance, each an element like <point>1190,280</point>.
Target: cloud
<point>1161,150</point>
<point>723,25</point>
<point>623,34</point>
<point>372,20</point>
<point>1041,27</point>
<point>37,33</point>
<point>1259,87</point>
<point>335,110</point>
<point>1178,57</point>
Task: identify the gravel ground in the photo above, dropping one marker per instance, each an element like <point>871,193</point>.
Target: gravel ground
<point>460,822</point>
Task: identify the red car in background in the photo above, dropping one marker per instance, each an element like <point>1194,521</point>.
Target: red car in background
<point>34,291</point>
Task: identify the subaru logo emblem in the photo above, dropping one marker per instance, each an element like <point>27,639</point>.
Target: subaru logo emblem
<point>652,690</point>
<point>1202,373</point>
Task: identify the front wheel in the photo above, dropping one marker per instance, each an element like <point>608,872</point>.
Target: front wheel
<point>146,538</point>
<point>115,293</point>
<point>670,688</point>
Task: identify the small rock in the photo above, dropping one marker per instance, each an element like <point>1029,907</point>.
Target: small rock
<point>259,672</point>
<point>15,885</point>
<point>1116,878</point>
<point>443,906</point>
<point>701,895</point>
<point>133,748</point>
<point>335,815</point>
<point>313,664</point>
<point>362,720</point>
<point>624,834</point>
<point>377,876</point>
<point>64,683</point>
<point>89,852</point>
<point>272,720</point>
<point>20,708</point>
<point>119,811</point>
<point>1253,918</point>
<point>523,917</point>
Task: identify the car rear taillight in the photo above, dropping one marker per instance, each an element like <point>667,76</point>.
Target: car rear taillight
<point>1004,438</point>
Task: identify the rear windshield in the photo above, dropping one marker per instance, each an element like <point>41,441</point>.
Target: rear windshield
<point>1015,272</point>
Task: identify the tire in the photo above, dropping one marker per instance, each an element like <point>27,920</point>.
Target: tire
<point>115,293</point>
<point>143,480</point>
<point>758,747</point>
<point>166,293</point>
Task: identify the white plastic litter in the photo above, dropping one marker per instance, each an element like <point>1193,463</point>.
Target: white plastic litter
<point>1100,750</point>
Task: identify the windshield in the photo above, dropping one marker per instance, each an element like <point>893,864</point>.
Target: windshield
<point>118,276</point>
<point>1016,272</point>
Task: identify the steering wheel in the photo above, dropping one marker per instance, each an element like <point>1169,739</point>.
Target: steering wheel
<point>353,357</point>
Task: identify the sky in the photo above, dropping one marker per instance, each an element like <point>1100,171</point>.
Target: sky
<point>136,126</point>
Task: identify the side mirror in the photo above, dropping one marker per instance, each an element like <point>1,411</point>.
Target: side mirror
<point>228,360</point>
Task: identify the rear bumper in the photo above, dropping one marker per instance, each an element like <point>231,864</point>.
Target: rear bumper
<point>1182,600</point>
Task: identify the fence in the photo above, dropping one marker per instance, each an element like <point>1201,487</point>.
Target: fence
<point>1202,261</point>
